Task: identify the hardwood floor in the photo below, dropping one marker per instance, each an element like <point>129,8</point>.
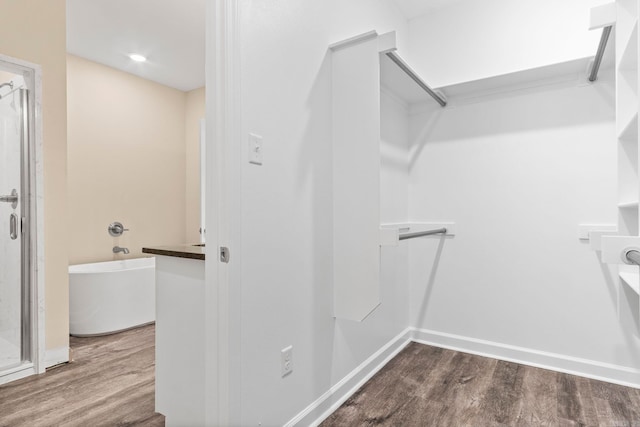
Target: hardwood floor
<point>429,386</point>
<point>110,383</point>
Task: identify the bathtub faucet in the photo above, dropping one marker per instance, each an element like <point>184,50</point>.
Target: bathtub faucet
<point>117,249</point>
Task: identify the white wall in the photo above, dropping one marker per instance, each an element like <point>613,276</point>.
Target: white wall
<point>287,204</point>
<point>394,155</point>
<point>518,173</point>
<point>470,40</point>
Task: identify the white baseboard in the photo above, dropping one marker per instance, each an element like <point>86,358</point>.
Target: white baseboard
<point>326,404</point>
<point>616,374</point>
<point>56,356</point>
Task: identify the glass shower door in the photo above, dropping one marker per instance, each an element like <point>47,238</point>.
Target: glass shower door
<point>14,307</point>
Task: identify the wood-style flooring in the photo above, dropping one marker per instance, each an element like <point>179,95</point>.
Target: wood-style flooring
<point>429,386</point>
<point>110,383</point>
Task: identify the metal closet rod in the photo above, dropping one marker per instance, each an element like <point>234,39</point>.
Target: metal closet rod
<point>404,67</point>
<point>633,256</point>
<point>593,76</point>
<point>426,233</point>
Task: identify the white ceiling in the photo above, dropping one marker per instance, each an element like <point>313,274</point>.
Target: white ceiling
<point>414,8</point>
<point>170,33</point>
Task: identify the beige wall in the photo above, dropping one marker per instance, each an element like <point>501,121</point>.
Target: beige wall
<point>34,31</point>
<point>126,161</point>
<point>195,110</point>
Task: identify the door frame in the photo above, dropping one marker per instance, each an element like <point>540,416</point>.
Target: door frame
<point>223,356</point>
<point>35,192</point>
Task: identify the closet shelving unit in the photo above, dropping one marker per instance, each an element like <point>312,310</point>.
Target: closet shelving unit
<point>627,103</point>
<point>363,67</point>
<point>367,65</point>
<point>401,82</point>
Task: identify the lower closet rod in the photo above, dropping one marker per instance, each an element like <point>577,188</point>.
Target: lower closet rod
<point>426,233</point>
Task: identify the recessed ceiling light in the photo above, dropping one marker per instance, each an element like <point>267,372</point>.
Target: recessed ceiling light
<point>138,58</point>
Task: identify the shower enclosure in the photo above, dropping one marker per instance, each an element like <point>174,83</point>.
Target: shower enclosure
<point>18,307</point>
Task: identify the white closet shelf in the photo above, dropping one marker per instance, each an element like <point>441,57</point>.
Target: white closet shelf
<point>568,71</point>
<point>398,83</point>
<point>628,205</point>
<point>629,57</point>
<point>631,279</point>
<point>630,130</point>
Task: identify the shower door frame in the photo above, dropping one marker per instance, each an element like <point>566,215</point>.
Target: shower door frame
<point>32,192</point>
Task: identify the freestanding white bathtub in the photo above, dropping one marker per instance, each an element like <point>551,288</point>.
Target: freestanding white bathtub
<point>108,297</point>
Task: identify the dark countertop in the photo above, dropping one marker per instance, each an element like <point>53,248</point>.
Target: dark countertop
<point>179,251</point>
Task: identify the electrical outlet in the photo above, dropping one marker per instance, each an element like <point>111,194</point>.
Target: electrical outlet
<point>286,360</point>
<point>255,149</point>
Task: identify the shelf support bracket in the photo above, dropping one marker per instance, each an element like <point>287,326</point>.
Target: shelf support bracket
<point>603,16</point>
<point>439,97</point>
<point>593,75</point>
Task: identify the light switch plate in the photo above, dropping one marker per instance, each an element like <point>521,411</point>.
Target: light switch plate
<point>255,149</point>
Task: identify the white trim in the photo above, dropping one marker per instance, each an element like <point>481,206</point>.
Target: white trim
<point>222,300</point>
<point>231,211</point>
<point>616,374</point>
<point>326,404</point>
<point>333,398</point>
<point>17,373</point>
<point>56,356</point>
<point>214,31</point>
<point>37,230</point>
